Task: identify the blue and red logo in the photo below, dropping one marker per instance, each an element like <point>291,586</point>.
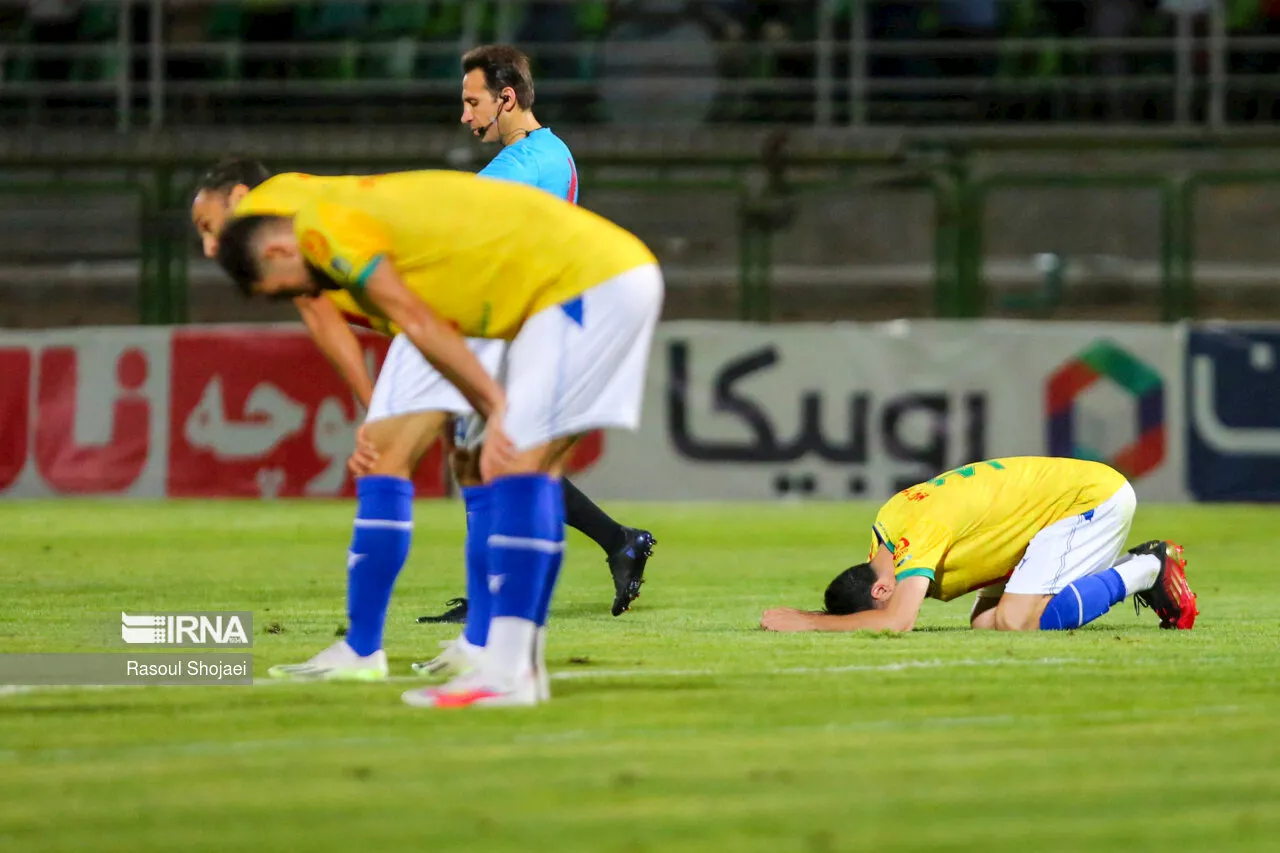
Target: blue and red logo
<point>1103,360</point>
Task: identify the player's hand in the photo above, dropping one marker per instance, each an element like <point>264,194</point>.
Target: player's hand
<point>498,453</point>
<point>365,455</point>
<point>786,619</point>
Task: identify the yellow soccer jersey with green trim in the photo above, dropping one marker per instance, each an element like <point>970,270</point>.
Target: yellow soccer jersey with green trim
<point>483,254</point>
<point>284,195</point>
<point>968,528</point>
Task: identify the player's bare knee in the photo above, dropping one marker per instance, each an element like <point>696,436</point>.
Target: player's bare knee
<point>529,462</point>
<point>983,615</point>
<point>1015,620</point>
<point>401,441</point>
<point>549,458</point>
<point>983,620</point>
<point>394,464</point>
<point>1020,611</point>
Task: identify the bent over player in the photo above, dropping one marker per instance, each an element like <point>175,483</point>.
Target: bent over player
<point>1038,538</point>
<point>412,403</point>
<point>576,296</point>
<point>407,410</point>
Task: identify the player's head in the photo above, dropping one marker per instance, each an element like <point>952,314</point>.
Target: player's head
<point>496,82</point>
<point>263,258</point>
<point>217,194</point>
<point>858,588</point>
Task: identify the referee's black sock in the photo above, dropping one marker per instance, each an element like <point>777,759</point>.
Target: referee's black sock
<point>581,514</point>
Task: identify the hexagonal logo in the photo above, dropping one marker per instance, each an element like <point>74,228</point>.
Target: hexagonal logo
<point>1104,360</point>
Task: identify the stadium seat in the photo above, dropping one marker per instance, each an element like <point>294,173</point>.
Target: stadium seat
<point>18,65</point>
<point>225,26</point>
<point>99,24</point>
<point>397,28</point>
<point>341,24</point>
<point>403,28</point>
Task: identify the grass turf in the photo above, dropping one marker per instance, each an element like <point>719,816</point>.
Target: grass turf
<point>679,726</point>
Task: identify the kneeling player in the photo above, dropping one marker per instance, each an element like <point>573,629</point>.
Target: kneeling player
<point>1037,537</point>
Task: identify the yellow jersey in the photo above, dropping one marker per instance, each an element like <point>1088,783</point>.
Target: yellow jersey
<point>485,255</point>
<point>968,528</point>
<point>284,195</point>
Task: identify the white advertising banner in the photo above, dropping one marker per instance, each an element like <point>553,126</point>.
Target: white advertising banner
<point>733,411</point>
<point>858,411</point>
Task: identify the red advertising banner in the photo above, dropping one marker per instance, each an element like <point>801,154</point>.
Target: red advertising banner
<point>82,412</point>
<point>187,412</point>
<point>263,414</point>
<point>15,413</point>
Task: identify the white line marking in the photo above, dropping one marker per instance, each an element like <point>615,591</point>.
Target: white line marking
<point>823,670</point>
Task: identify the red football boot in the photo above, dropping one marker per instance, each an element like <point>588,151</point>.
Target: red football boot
<point>1171,597</point>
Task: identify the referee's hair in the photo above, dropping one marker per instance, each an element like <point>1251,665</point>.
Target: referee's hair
<point>504,66</point>
<point>236,245</point>
<point>229,173</point>
<point>850,592</point>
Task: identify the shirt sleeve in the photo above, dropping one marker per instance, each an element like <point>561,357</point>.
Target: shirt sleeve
<point>347,244</point>
<point>918,551</point>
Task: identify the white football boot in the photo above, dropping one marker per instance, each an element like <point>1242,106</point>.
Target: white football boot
<point>458,657</point>
<point>476,689</point>
<point>339,662</point>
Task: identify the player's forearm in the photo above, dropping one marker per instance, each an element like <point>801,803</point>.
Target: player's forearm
<point>786,619</point>
<point>867,620</point>
<point>338,343</point>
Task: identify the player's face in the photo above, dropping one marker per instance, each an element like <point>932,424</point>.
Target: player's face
<point>209,214</point>
<point>480,107</point>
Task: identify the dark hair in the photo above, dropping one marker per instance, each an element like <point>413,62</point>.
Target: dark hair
<point>235,249</point>
<point>850,592</point>
<point>230,173</point>
<point>503,66</point>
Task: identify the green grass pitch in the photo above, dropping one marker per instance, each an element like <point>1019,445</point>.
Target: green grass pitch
<point>679,726</point>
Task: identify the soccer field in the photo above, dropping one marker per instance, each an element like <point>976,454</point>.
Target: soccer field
<point>679,726</point>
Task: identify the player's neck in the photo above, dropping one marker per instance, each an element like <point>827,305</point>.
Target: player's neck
<point>522,124</point>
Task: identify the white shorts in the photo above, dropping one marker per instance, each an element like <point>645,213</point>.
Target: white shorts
<point>1073,548</point>
<point>408,383</point>
<point>581,365</point>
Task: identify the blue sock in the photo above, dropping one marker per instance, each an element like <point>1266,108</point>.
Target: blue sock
<point>525,545</point>
<point>1083,601</point>
<point>379,547</point>
<point>553,571</point>
<point>479,524</point>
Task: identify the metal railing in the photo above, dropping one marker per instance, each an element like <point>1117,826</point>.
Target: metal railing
<point>963,255</point>
<point>827,63</point>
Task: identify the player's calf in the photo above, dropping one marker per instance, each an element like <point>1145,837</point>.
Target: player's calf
<point>1019,612</point>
